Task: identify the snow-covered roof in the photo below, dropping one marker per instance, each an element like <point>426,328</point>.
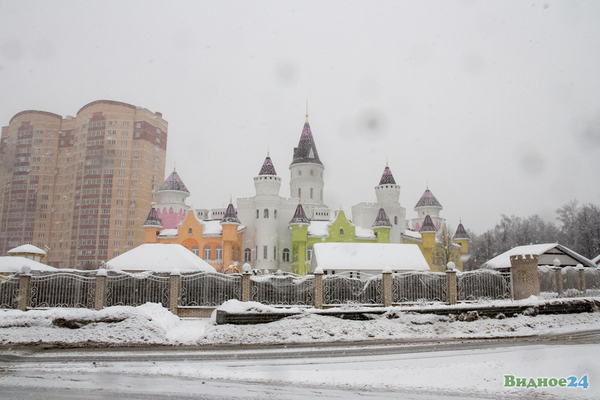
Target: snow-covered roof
<point>306,152</point>
<point>319,228</point>
<point>387,178</point>
<point>428,200</point>
<point>412,234</point>
<point>596,260</point>
<point>268,168</point>
<point>174,182</point>
<point>10,264</point>
<point>382,220</point>
<point>299,217</point>
<point>461,233</point>
<point>546,252</point>
<point>159,258</point>
<point>27,248</point>
<point>368,256</point>
<point>364,233</point>
<point>428,225</point>
<point>168,233</point>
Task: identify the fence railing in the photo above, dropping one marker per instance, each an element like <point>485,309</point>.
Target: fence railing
<point>209,289</point>
<point>417,286</point>
<point>484,284</point>
<point>102,288</point>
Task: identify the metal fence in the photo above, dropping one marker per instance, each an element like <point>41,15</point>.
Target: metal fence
<point>62,290</point>
<point>208,289</point>
<point>418,286</point>
<point>484,284</point>
<point>135,290</point>
<point>344,289</point>
<point>9,292</point>
<point>283,290</point>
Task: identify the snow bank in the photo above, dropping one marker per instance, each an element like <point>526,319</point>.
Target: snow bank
<point>151,324</point>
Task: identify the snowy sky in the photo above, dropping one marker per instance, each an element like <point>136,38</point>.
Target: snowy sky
<point>495,104</point>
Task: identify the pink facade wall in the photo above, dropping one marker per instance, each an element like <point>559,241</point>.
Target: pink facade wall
<point>169,218</point>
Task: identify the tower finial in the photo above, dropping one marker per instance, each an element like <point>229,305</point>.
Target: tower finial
<point>174,166</point>
<point>230,199</point>
<point>386,162</point>
<point>268,151</point>
<point>427,184</point>
<point>307,110</point>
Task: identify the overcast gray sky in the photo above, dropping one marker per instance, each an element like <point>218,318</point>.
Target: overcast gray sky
<point>495,104</point>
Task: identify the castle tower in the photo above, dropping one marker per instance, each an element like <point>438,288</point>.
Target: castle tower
<point>299,225</point>
<point>388,196</point>
<point>152,226</point>
<point>428,205</point>
<point>267,201</point>
<point>382,227</point>
<point>306,179</point>
<point>172,208</point>
<point>428,231</point>
<point>230,224</point>
<point>462,238</point>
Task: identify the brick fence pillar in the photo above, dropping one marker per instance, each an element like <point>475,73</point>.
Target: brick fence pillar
<point>24,289</point>
<point>246,282</point>
<point>581,276</point>
<point>318,295</point>
<point>558,281</point>
<point>386,287</point>
<point>526,280</point>
<point>174,280</point>
<point>100,295</point>
<point>451,284</point>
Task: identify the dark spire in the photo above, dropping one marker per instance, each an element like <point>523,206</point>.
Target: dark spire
<point>230,217</point>
<point>428,225</point>
<point>267,168</point>
<point>387,178</point>
<point>382,220</point>
<point>428,200</point>
<point>306,152</point>
<point>299,216</point>
<point>461,233</point>
<point>152,219</point>
<point>174,182</point>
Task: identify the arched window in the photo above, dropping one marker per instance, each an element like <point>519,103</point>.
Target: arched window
<point>286,255</point>
<point>257,214</point>
<point>218,253</point>
<point>190,231</point>
<point>395,220</point>
<point>266,213</point>
<point>275,214</point>
<point>207,252</point>
<point>195,250</point>
<point>341,232</point>
<point>247,255</point>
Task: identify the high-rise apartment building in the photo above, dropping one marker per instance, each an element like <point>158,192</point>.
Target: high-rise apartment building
<point>80,187</point>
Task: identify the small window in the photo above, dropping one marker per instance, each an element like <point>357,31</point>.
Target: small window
<point>311,193</point>
<point>247,255</point>
<point>396,220</point>
<point>190,231</point>
<point>218,253</point>
<point>207,252</point>
<point>195,250</point>
<point>266,213</point>
<point>265,250</point>
<point>309,253</point>
<point>299,172</point>
<point>286,255</point>
<point>341,232</point>
<point>275,214</point>
<point>257,214</point>
<point>311,172</point>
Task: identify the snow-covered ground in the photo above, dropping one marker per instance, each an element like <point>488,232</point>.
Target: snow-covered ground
<point>151,324</point>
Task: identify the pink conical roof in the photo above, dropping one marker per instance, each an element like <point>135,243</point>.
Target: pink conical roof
<point>387,178</point>
<point>382,220</point>
<point>306,152</point>
<point>428,200</point>
<point>267,168</point>
<point>299,216</point>
<point>174,182</point>
<point>428,225</point>
<point>461,233</point>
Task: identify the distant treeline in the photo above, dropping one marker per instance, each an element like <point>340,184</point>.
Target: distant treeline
<point>579,230</point>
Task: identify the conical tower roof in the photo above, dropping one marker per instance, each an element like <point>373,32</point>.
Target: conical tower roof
<point>299,216</point>
<point>428,200</point>
<point>230,216</point>
<point>382,220</point>
<point>306,152</point>
<point>428,225</point>
<point>387,178</point>
<point>174,182</point>
<point>267,168</point>
<point>153,219</point>
<point>461,233</point>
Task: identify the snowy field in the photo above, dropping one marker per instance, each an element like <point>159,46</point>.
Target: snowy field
<point>151,324</point>
<point>444,372</point>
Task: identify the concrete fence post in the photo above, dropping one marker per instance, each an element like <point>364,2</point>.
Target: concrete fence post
<point>24,288</point>
<point>246,282</point>
<point>318,295</point>
<point>525,276</point>
<point>174,281</point>
<point>100,295</point>
<point>451,284</point>
<point>581,278</point>
<point>386,286</point>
